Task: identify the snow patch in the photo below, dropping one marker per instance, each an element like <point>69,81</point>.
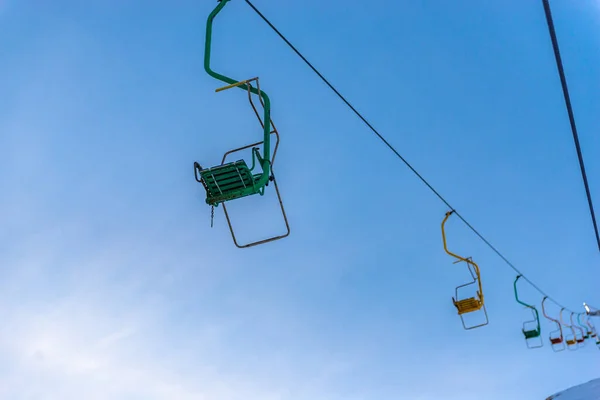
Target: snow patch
<point>585,391</point>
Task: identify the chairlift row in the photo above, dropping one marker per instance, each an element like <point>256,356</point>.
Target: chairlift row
<point>234,180</point>
<point>577,331</point>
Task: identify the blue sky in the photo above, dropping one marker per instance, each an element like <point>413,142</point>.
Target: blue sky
<point>115,286</point>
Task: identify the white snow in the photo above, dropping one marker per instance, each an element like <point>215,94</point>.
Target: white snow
<point>585,391</point>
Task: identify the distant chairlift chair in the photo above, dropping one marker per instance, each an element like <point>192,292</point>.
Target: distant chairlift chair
<point>588,333</point>
<point>579,339</point>
<point>594,334</point>
<point>531,329</point>
<point>570,340</point>
<point>557,341</point>
<point>467,304</point>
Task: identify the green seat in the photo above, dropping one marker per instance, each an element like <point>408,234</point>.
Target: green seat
<point>228,182</point>
<point>531,334</point>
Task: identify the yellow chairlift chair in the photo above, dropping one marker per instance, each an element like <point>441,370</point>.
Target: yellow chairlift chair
<point>463,304</point>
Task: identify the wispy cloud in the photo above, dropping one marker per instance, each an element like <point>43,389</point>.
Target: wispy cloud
<point>96,314</point>
<point>105,343</point>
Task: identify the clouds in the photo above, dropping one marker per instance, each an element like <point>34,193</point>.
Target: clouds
<point>76,351</point>
<point>101,339</point>
<point>84,334</point>
<point>135,310</point>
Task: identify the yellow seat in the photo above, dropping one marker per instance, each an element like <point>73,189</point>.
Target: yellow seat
<point>468,305</point>
<point>571,342</point>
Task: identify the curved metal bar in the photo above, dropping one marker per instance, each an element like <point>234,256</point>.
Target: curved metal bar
<point>557,343</point>
<point>265,161</point>
<point>469,262</point>
<point>534,310</point>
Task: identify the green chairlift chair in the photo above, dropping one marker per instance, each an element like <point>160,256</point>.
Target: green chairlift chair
<point>531,329</point>
<point>234,180</point>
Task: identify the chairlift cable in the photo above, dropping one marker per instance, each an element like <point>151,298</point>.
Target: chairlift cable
<point>565,88</point>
